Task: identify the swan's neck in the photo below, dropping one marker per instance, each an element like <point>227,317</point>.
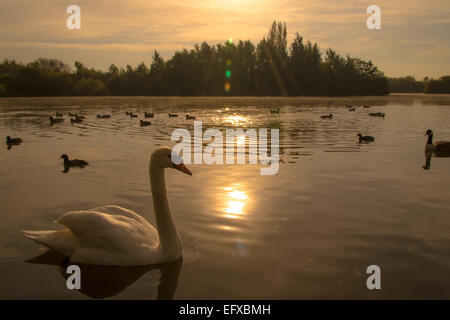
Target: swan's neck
<point>430,139</point>
<point>168,236</point>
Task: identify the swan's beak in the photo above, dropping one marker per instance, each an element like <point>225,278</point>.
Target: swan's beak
<point>182,168</point>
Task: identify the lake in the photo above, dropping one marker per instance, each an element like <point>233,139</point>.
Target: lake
<point>335,207</point>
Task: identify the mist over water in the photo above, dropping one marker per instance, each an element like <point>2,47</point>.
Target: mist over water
<point>335,207</point>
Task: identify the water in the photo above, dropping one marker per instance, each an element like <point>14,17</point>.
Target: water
<point>334,208</point>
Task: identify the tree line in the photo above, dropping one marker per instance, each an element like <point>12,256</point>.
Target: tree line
<point>271,68</point>
<point>409,84</point>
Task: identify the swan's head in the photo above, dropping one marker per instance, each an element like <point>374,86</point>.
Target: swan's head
<point>64,156</point>
<point>164,158</point>
<point>359,135</point>
<point>429,132</point>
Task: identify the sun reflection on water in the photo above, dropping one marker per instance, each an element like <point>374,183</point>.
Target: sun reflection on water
<point>236,120</point>
<point>235,202</point>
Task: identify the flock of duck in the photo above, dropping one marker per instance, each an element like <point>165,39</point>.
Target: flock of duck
<point>351,109</point>
<point>114,236</point>
<point>75,118</point>
<point>439,148</point>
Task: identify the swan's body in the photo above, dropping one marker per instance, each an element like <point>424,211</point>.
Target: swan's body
<point>112,235</point>
<point>439,147</point>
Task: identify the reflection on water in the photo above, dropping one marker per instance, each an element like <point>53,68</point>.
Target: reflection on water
<point>335,207</point>
<point>427,165</point>
<point>235,202</point>
<point>429,154</point>
<point>102,282</point>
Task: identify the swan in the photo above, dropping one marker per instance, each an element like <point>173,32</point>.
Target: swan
<point>112,235</point>
<point>438,148</point>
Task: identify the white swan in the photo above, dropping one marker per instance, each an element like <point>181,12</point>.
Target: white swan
<point>112,235</point>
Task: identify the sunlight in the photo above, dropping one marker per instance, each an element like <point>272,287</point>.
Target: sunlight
<point>235,120</point>
<point>240,140</point>
<point>235,203</point>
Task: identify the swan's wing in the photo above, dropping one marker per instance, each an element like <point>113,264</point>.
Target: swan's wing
<point>115,237</point>
<point>62,241</point>
<point>120,211</point>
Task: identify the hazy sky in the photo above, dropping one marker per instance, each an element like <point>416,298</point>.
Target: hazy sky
<point>414,39</point>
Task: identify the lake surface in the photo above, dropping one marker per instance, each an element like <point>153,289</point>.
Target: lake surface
<point>335,207</point>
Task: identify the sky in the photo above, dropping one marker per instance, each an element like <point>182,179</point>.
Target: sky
<point>414,38</point>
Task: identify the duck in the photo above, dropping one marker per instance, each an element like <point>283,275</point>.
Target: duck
<point>58,114</point>
<point>10,140</point>
<point>55,120</point>
<point>439,148</point>
<point>188,117</point>
<point>351,109</point>
<point>366,106</point>
<point>172,115</point>
<point>365,138</point>
<point>104,116</point>
<point>72,114</point>
<point>348,106</point>
<point>330,116</point>
<point>132,115</point>
<point>111,235</point>
<point>73,163</point>
<point>127,113</point>
<point>76,119</point>
<point>377,114</point>
<point>275,111</point>
<point>145,123</point>
<point>149,115</point>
